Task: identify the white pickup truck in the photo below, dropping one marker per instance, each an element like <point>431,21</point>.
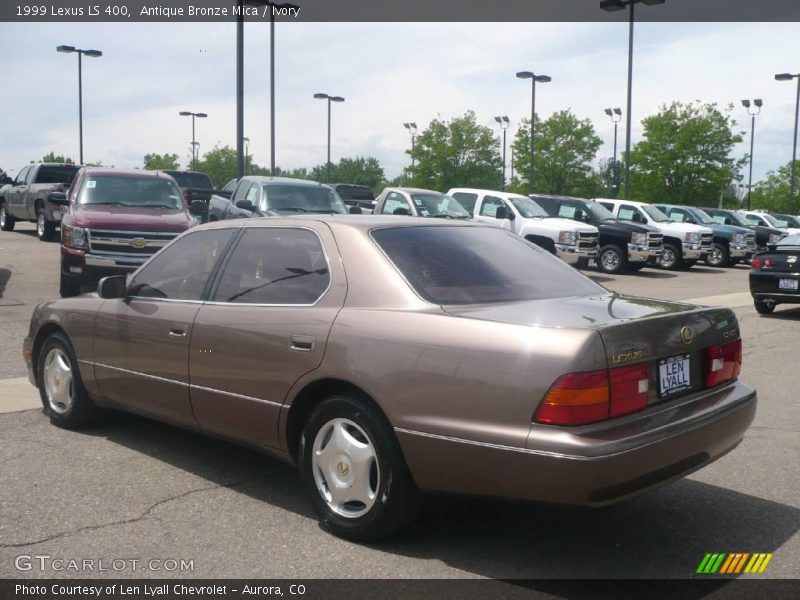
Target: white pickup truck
<point>684,243</point>
<point>574,243</point>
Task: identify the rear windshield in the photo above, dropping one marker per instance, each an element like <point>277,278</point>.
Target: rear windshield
<point>478,265</point>
<point>352,192</point>
<point>57,174</point>
<point>131,191</point>
<point>302,199</point>
<point>191,180</point>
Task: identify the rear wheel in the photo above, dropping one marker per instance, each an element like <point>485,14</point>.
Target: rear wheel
<point>671,257</point>
<point>764,308</point>
<point>69,286</point>
<point>611,259</point>
<point>718,256</point>
<point>61,389</point>
<point>7,222</point>
<point>45,229</point>
<point>355,472</point>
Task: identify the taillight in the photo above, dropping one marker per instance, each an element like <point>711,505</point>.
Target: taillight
<point>755,263</point>
<point>724,363</point>
<point>581,398</point>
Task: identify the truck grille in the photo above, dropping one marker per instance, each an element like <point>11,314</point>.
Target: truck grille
<point>706,240</point>
<point>127,243</point>
<point>750,240</point>
<point>587,241</point>
<point>655,241</point>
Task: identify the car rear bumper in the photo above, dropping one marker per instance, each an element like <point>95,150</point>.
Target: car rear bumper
<point>764,286</point>
<point>591,465</point>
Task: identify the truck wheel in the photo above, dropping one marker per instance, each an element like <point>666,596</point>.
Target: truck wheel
<point>583,263</point>
<point>671,257</point>
<point>611,259</point>
<point>355,472</point>
<point>45,229</point>
<point>69,286</point>
<point>718,256</point>
<point>764,308</point>
<point>61,388</point>
<point>7,222</point>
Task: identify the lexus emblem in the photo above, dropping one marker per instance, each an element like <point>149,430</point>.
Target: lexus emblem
<point>343,469</point>
<point>791,260</point>
<point>687,335</point>
<point>138,243</point>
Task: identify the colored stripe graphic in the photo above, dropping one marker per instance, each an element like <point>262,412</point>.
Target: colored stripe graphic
<point>733,563</point>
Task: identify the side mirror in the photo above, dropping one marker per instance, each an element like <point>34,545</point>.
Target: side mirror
<point>356,210</point>
<point>57,198</point>
<point>245,205</point>
<point>6,180</point>
<point>112,287</point>
<point>198,208</point>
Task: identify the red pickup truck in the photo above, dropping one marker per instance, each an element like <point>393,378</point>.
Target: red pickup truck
<point>114,220</point>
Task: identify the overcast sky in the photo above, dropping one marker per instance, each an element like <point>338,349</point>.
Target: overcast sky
<point>388,73</point>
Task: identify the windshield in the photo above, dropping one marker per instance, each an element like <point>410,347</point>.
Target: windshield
<point>57,174</point>
<point>478,265</point>
<point>191,180</point>
<point>439,205</point>
<point>599,211</point>
<point>773,221</point>
<point>655,214</point>
<point>788,220</point>
<point>734,218</point>
<point>302,199</point>
<point>703,217</point>
<point>527,207</point>
<point>791,240</point>
<point>355,192</point>
<point>142,192</point>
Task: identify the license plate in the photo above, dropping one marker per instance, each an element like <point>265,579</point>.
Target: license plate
<point>674,375</point>
<point>787,284</point>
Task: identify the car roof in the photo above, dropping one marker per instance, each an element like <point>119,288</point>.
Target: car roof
<point>358,222</point>
<point>499,193</point>
<point>139,173</point>
<point>268,179</point>
<point>412,190</point>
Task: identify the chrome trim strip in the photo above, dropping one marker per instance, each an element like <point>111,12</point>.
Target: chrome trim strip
<point>145,375</point>
<point>137,233</point>
<point>234,395</point>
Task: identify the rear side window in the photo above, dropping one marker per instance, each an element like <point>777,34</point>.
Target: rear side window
<point>478,265</point>
<point>466,200</point>
<point>627,213</point>
<point>181,270</point>
<point>275,265</point>
<point>394,202</point>
<point>56,174</point>
<point>191,180</point>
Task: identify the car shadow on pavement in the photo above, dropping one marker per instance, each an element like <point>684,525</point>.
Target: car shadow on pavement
<point>5,275</point>
<point>783,313</point>
<point>662,534</point>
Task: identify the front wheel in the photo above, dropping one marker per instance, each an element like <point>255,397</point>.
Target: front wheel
<point>355,472</point>
<point>61,389</point>
<point>611,260</point>
<point>718,256</point>
<point>45,229</point>
<point>670,258</point>
<point>764,308</point>
<point>7,222</point>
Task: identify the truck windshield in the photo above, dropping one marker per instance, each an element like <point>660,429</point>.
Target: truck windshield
<point>527,207</point>
<point>478,265</point>
<point>703,217</point>
<point>199,181</point>
<point>140,192</point>
<point>655,214</point>
<point>439,205</point>
<point>302,199</point>
<point>57,174</point>
<point>599,211</point>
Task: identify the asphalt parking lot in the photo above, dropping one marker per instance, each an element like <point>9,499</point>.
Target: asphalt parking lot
<point>130,488</point>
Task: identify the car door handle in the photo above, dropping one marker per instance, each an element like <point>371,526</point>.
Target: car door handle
<point>302,343</point>
<point>177,331</point>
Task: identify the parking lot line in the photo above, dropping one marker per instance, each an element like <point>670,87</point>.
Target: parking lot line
<point>18,394</point>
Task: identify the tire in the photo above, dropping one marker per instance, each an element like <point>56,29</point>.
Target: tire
<point>7,222</point>
<point>69,286</point>
<point>718,256</point>
<point>61,388</point>
<point>45,230</point>
<point>353,438</point>
<point>583,263</point>
<point>764,308</point>
<point>611,260</point>
<point>671,258</point>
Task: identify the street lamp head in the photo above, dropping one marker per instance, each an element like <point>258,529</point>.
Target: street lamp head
<point>94,53</point>
<point>618,111</point>
<point>506,120</point>
<point>543,78</point>
<point>66,49</point>
<point>336,98</point>
<point>413,125</point>
<point>498,119</point>
<point>758,102</point>
<point>612,5</point>
<point>200,115</point>
<point>525,75</point>
<point>608,112</point>
<point>653,2</point>
<point>321,96</point>
<point>784,77</point>
<point>246,140</point>
<point>746,103</point>
<point>185,113</point>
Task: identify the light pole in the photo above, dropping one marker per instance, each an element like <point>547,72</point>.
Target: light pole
<point>612,6</point>
<point>199,115</point>
<point>94,54</point>
<point>504,123</point>
<point>246,141</point>
<point>412,129</point>
<point>322,96</point>
<point>541,79</point>
<point>793,186</point>
<point>757,104</point>
<point>616,117</point>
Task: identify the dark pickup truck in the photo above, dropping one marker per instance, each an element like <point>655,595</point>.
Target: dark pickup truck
<point>261,196</point>
<point>196,186</point>
<point>624,245</point>
<point>26,197</point>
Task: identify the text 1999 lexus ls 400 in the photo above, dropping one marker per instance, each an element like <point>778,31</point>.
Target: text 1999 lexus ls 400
<point>391,356</point>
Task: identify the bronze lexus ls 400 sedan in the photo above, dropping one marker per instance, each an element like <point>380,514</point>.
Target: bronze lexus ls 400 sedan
<point>390,356</point>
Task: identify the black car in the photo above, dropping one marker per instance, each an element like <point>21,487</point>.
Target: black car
<point>624,245</point>
<point>775,275</point>
<point>764,235</point>
<point>356,195</point>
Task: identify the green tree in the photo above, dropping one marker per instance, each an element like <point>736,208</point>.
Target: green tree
<point>565,149</point>
<point>161,162</point>
<point>685,155</point>
<point>53,158</point>
<point>220,164</point>
<point>454,154</point>
<point>359,170</point>
<point>772,192</point>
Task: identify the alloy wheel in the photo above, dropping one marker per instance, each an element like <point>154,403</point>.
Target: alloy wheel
<point>667,258</point>
<point>58,382</point>
<point>609,260</point>
<point>40,224</point>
